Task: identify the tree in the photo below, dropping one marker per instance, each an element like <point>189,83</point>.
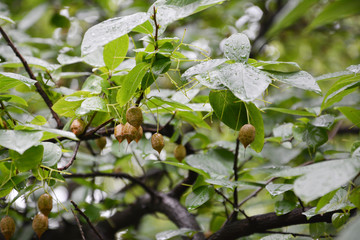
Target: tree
<point>67,87</point>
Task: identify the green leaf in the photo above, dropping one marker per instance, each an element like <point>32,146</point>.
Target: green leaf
<point>28,160</point>
<point>170,11</point>
<point>324,177</point>
<point>351,230</point>
<point>215,163</point>
<point>315,136</point>
<point>335,10</point>
<point>278,237</point>
<point>50,132</point>
<point>228,108</point>
<point>115,52</point>
<point>344,86</point>
<point>289,14</point>
<point>244,81</point>
<point>187,167</point>
<point>355,197</point>
<point>205,74</point>
<point>6,19</point>
<point>19,141</point>
<point>194,118</point>
<point>276,189</point>
<point>10,80</point>
<point>339,219</point>
<point>171,105</point>
<point>299,79</point>
<point>93,212</point>
<point>13,99</point>
<point>290,111</point>
<point>93,84</point>
<point>67,105</point>
<point>351,113</point>
<point>284,207</point>
<point>32,62</point>
<point>198,197</point>
<point>131,83</point>
<point>237,47</point>
<point>257,121</point>
<point>285,67</point>
<point>94,104</point>
<point>174,233</point>
<point>52,154</point>
<point>146,28</point>
<point>109,30</point>
<point>38,120</point>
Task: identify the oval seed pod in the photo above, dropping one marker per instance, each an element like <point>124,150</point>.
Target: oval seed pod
<point>101,142</point>
<point>247,134</point>
<point>157,142</point>
<point>180,152</point>
<point>139,135</point>
<point>45,204</point>
<point>77,127</point>
<point>40,224</point>
<point>119,132</point>
<point>130,132</point>
<point>7,226</point>
<point>134,116</point>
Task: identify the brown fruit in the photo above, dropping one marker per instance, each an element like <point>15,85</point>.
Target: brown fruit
<point>101,142</point>
<point>119,132</point>
<point>134,116</point>
<point>40,224</point>
<point>77,127</point>
<point>157,142</point>
<point>7,226</point>
<point>139,135</point>
<point>45,204</point>
<point>180,152</point>
<point>130,132</point>
<point>247,134</point>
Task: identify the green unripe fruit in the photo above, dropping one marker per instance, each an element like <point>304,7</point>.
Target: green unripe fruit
<point>45,204</point>
<point>247,134</point>
<point>7,226</point>
<point>40,224</point>
<point>101,142</point>
<point>134,116</point>
<point>77,127</point>
<point>180,152</point>
<point>157,142</point>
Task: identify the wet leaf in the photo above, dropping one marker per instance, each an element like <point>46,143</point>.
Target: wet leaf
<point>237,47</point>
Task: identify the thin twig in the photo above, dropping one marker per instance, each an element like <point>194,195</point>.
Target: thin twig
<point>90,121</point>
<point>91,150</point>
<point>79,225</point>
<point>157,26</point>
<point>114,175</point>
<point>7,113</point>
<point>297,234</point>
<point>168,122</point>
<point>137,103</point>
<point>32,76</point>
<point>72,158</point>
<point>92,131</point>
<point>225,198</point>
<point>235,168</point>
<point>253,194</point>
<point>87,219</point>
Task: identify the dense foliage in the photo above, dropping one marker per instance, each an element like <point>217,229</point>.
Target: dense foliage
<point>125,117</point>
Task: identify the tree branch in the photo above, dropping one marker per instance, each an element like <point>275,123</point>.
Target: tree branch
<point>32,76</point>
<point>72,158</point>
<point>87,220</point>
<point>264,222</point>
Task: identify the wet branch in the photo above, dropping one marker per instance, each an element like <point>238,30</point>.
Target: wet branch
<point>32,76</point>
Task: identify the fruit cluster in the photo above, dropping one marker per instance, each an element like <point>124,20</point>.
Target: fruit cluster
<point>40,222</point>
